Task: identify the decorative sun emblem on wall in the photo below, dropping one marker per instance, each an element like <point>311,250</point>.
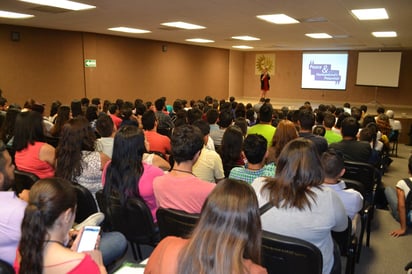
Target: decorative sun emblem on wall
<point>263,62</point>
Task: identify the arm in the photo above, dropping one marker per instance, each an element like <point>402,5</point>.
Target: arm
<point>103,160</point>
<point>160,162</point>
<point>402,214</point>
<point>48,154</point>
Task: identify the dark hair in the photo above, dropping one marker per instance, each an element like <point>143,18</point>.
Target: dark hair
<point>340,119</point>
<point>28,129</point>
<point>203,126</point>
<point>193,115</point>
<point>140,108</point>
<point>229,231</point>
<point>96,101</point>
<point>319,130</point>
<point>265,113</point>
<point>113,108</point>
<point>76,136</point>
<point>350,127</point>
<point>356,113</point>
<point>242,124</point>
<point>85,101</point>
<point>104,125</point>
<point>254,147</point>
<point>333,163</point>
<point>186,141</point>
<point>212,115</point>
<point>54,107</point>
<point>7,128</point>
<point>48,199</point>
<point>91,112</point>
<point>225,118</point>
<point>126,168</point>
<point>160,104</point>
<point>76,108</point>
<point>410,164</point>
<point>231,148</point>
<point>148,120</point>
<point>306,119</point>
<point>63,115</point>
<point>297,170</point>
<point>329,119</point>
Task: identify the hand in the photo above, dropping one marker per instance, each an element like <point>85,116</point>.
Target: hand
<point>24,195</point>
<point>75,236</point>
<point>398,232</point>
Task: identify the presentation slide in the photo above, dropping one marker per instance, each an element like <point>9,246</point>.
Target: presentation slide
<point>323,70</point>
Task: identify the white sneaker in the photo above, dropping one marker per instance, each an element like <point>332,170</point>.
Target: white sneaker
<point>93,220</point>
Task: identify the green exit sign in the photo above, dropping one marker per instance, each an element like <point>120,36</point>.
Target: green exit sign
<point>90,63</point>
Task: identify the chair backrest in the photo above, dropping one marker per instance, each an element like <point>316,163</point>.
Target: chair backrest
<point>283,254</point>
<point>86,205</point>
<point>23,180</point>
<point>134,219</point>
<point>365,173</point>
<point>344,238</point>
<point>53,141</point>
<point>6,268</point>
<point>173,222</point>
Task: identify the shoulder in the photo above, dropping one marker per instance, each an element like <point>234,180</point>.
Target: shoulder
<point>253,268</point>
<point>152,169</point>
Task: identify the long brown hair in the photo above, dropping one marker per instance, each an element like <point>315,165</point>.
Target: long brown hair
<point>228,231</point>
<point>297,170</point>
<point>285,131</point>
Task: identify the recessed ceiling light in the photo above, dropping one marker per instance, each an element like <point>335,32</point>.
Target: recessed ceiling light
<point>182,25</point>
<point>242,47</point>
<point>246,38</point>
<point>384,34</point>
<point>63,4</point>
<point>278,19</point>
<point>200,40</point>
<point>371,14</point>
<point>318,35</point>
<point>129,30</point>
<point>14,15</point>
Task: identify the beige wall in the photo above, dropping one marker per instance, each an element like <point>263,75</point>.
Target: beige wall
<point>48,64</point>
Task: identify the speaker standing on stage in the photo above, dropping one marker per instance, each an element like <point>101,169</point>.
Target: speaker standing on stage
<point>264,83</point>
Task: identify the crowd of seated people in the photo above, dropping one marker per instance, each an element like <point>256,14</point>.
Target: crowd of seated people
<point>110,150</point>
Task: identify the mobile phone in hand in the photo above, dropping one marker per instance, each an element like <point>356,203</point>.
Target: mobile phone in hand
<point>89,238</point>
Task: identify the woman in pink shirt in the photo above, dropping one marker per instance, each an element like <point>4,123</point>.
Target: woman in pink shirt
<point>32,153</point>
<point>126,175</point>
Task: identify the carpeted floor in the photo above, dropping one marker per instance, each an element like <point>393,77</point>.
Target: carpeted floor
<point>388,255</point>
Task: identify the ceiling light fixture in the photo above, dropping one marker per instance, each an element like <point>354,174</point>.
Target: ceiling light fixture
<point>278,19</point>
<point>14,15</point>
<point>200,40</point>
<point>381,34</point>
<point>129,30</point>
<point>63,4</point>
<point>370,14</point>
<point>242,47</point>
<point>182,25</point>
<point>246,38</point>
<point>318,35</point>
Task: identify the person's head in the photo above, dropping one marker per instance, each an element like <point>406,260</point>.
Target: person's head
<point>54,108</point>
<point>390,113</point>
<point>91,112</point>
<point>342,116</point>
<point>231,147</point>
<point>6,168</point>
<point>229,224</point>
<point>126,166</point>
<point>212,115</point>
<point>265,113</point>
<point>329,120</point>
<point>28,129</point>
<point>364,109</point>
<point>177,105</point>
<point>160,104</point>
<point>368,119</point>
<point>380,110</point>
<point>306,119</point>
<point>113,109</point>
<point>298,169</point>
<point>255,148</point>
<point>204,128</point>
<point>76,108</point>
<point>63,115</point>
<point>193,115</point>
<point>3,103</point>
<point>51,207</point>
<point>242,124</point>
<point>285,132</point>
<point>186,142</point>
<point>76,136</point>
<point>85,101</point>
<point>225,118</point>
<point>356,113</point>
<point>333,164</point>
<point>149,120</point>
<point>366,134</point>
<point>350,127</point>
<point>319,130</point>
<point>104,125</point>
<point>9,123</point>
<point>97,103</point>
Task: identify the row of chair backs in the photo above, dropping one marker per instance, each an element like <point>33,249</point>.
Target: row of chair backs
<point>280,254</point>
<point>86,204</point>
<point>347,244</point>
<point>23,180</point>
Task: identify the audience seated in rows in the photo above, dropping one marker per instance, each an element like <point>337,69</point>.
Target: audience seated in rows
<point>180,189</point>
<point>254,149</point>
<point>306,122</point>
